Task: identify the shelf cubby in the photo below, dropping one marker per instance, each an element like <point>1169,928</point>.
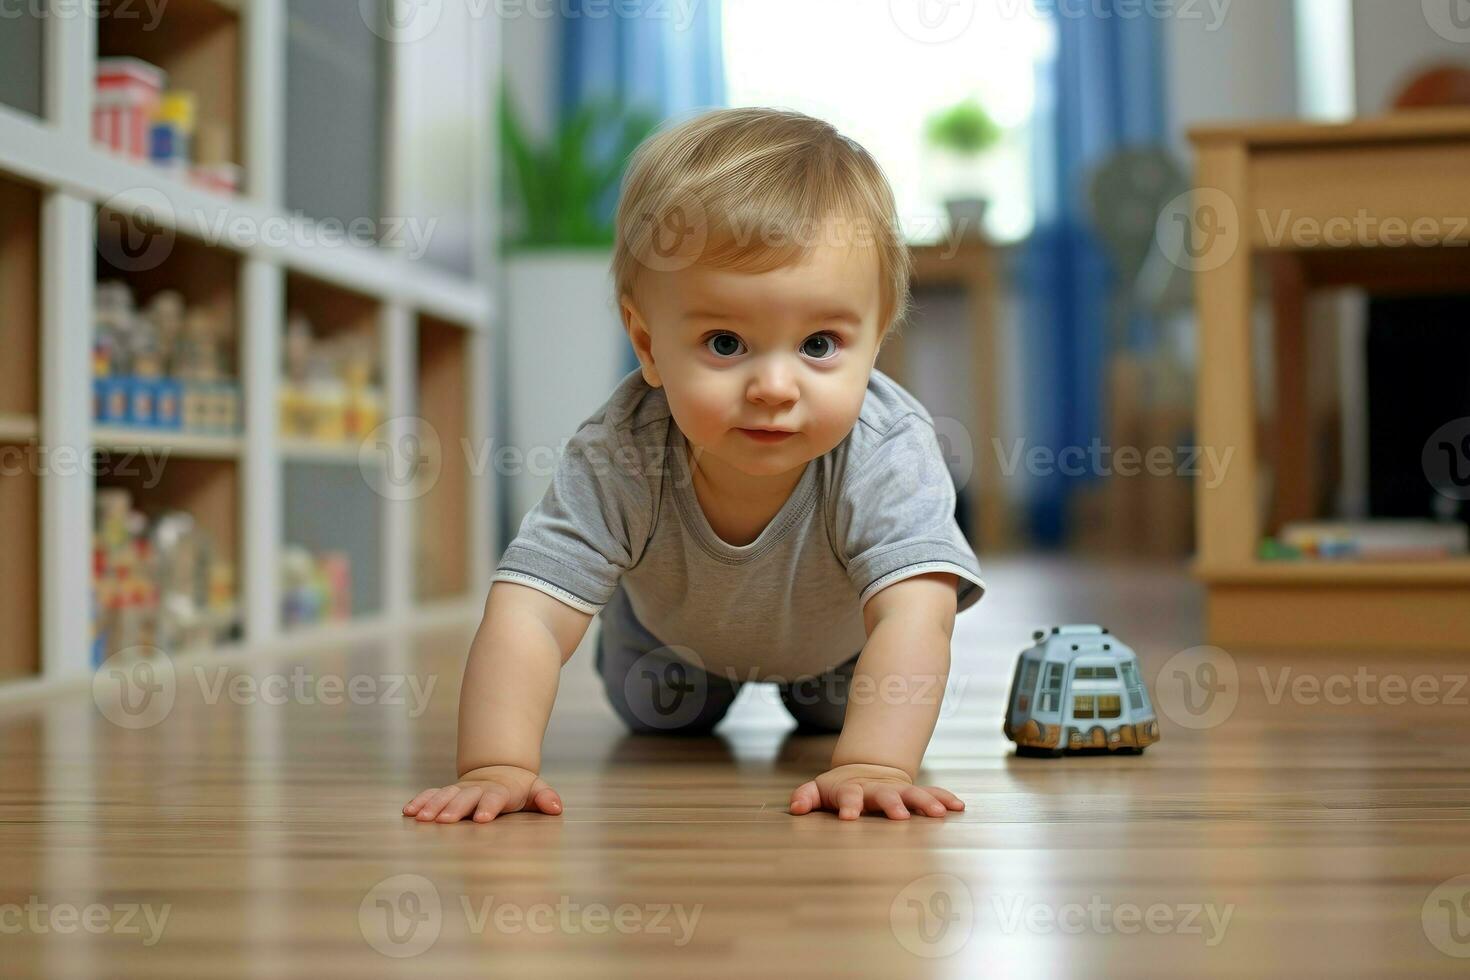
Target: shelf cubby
<point>207,490</point>
<point>331,508</point>
<point>197,43</point>
<point>208,280</point>
<point>19,411</point>
<point>442,561</point>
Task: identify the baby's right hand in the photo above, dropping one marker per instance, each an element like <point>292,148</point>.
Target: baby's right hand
<point>496,790</point>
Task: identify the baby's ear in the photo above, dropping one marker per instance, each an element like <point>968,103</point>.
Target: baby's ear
<point>640,337</point>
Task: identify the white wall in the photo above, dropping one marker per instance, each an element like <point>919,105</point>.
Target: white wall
<point>1243,69</point>
<point>1394,40</point>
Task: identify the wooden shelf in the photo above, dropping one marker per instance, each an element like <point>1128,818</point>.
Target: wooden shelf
<point>35,151</point>
<point>17,428</point>
<point>441,561</point>
<point>326,453</point>
<point>185,445</point>
<point>208,489</point>
<point>20,522</point>
<point>20,271</point>
<point>197,42</point>
<point>1455,571</point>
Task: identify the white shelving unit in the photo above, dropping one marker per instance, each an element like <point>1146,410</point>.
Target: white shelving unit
<point>427,320</point>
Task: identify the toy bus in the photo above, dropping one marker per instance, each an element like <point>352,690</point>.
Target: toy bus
<point>1078,688</point>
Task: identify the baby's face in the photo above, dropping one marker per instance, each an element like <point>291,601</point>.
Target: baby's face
<point>789,349</point>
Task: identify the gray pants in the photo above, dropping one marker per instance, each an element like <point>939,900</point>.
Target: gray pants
<point>654,691</point>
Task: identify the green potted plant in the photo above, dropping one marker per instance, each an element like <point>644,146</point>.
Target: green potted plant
<point>564,343</point>
<point>963,134</point>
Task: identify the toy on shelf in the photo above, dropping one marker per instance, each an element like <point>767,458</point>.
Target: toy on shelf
<point>1079,688</point>
<point>328,394</point>
<point>135,116</point>
<point>161,368</point>
<point>156,583</point>
<point>128,93</point>
<point>315,588</point>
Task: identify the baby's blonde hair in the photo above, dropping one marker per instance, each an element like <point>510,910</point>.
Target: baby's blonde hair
<point>753,190</point>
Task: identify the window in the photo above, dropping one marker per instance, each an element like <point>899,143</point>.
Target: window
<point>1135,690</point>
<point>1109,706</point>
<point>854,66</point>
<point>1097,674</point>
<point>1084,706</point>
<point>1051,698</point>
<point>1028,684</point>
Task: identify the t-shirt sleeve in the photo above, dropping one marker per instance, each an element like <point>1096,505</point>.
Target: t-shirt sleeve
<point>590,526</point>
<point>894,515</point>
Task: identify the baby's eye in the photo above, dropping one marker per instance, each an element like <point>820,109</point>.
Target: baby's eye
<point>820,346</point>
<point>724,345</point>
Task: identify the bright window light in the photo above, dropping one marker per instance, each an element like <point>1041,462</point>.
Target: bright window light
<point>854,64</point>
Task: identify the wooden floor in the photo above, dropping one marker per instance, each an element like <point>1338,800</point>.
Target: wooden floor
<point>266,840</point>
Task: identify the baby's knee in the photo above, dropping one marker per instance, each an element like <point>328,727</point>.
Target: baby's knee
<point>664,696</point>
<point>817,703</point>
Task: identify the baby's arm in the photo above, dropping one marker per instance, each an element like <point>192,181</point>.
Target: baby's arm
<point>893,702</point>
<point>510,682</point>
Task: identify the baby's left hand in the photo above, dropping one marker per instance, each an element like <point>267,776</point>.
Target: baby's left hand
<point>852,789</point>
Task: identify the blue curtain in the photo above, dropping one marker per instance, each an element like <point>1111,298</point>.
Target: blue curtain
<point>668,61</point>
<point>1103,92</point>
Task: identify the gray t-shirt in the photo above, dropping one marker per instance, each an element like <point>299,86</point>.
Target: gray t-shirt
<point>621,510</point>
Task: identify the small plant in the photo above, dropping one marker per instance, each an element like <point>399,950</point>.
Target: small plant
<point>964,129</point>
<point>562,193</point>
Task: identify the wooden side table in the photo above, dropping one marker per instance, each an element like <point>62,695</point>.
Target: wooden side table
<point>974,266</point>
<point>1317,205</point>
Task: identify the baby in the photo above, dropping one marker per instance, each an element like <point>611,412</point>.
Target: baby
<point>755,503</point>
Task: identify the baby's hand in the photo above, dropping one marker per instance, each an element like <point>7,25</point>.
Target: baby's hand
<point>497,790</point>
<point>852,789</point>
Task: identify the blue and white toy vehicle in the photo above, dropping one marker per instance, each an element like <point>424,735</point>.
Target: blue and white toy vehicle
<point>1079,688</point>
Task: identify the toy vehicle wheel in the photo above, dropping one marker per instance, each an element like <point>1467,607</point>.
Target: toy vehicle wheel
<point>1133,750</point>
